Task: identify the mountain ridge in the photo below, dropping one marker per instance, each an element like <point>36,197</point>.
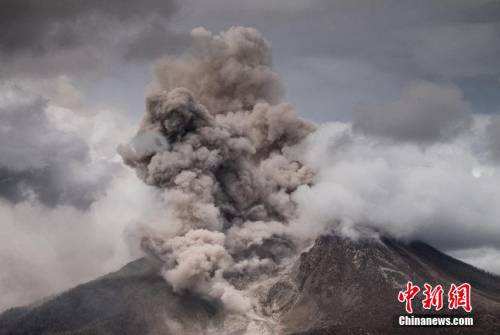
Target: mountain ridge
<point>338,286</point>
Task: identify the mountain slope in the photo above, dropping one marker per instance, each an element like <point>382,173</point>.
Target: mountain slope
<point>339,286</point>
<point>340,283</point>
<point>134,300</point>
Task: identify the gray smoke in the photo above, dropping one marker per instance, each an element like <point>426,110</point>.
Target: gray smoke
<point>229,72</point>
<point>214,139</point>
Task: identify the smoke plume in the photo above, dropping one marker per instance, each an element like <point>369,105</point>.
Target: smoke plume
<point>214,139</point>
<point>239,199</point>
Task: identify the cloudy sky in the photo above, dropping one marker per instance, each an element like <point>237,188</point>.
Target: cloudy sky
<point>414,87</point>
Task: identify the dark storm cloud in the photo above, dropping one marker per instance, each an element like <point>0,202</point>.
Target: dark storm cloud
<point>40,161</point>
<point>38,26</point>
<point>444,38</point>
<point>155,40</point>
<point>58,36</point>
<point>400,41</point>
<point>493,137</point>
<point>384,32</point>
<point>426,112</point>
<point>51,185</point>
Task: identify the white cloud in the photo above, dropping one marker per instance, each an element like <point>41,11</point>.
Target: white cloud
<point>46,247</point>
<point>434,193</point>
<point>45,250</point>
<point>483,258</point>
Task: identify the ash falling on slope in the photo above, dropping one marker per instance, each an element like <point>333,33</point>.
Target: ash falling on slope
<point>215,139</point>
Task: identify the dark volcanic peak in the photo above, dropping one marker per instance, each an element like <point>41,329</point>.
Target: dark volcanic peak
<point>338,286</point>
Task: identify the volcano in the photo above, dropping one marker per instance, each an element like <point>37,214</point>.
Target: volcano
<point>337,286</point>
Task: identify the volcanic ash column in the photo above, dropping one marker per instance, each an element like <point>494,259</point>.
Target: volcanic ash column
<point>215,141</point>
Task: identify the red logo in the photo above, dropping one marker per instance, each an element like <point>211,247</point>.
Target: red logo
<point>458,297</point>
<point>433,297</point>
<point>408,295</point>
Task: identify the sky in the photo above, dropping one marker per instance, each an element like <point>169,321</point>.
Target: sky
<point>406,93</point>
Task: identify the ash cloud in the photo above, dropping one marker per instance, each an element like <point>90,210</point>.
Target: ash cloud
<point>214,139</point>
<point>246,182</point>
<point>226,73</point>
<point>335,55</point>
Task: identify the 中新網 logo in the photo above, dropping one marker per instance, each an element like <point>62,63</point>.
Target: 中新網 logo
<point>433,297</point>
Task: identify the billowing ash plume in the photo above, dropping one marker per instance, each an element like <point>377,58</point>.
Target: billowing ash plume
<point>214,139</point>
<point>229,72</point>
